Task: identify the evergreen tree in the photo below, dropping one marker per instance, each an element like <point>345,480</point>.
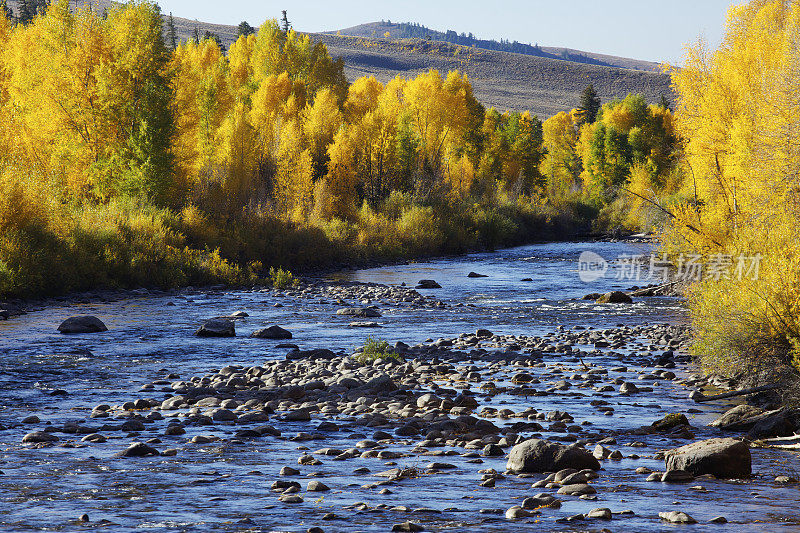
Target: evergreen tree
<point>246,29</point>
<point>664,103</point>
<point>285,24</point>
<point>26,10</point>
<point>589,106</point>
<point>5,11</point>
<point>196,35</point>
<point>214,37</point>
<point>172,34</point>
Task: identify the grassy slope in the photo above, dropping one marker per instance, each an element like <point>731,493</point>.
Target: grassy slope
<point>378,29</point>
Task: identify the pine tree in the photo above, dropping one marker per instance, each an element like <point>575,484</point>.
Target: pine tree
<point>664,103</point>
<point>589,106</point>
<point>26,11</point>
<point>285,24</point>
<point>196,35</point>
<point>245,29</point>
<point>172,34</point>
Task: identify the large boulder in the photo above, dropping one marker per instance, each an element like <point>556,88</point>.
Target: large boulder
<point>758,423</point>
<point>360,312</point>
<point>272,332</point>
<point>615,297</point>
<point>537,455</point>
<point>82,324</point>
<point>723,458</point>
<point>217,327</point>
<point>427,284</point>
<point>739,418</point>
<point>779,423</point>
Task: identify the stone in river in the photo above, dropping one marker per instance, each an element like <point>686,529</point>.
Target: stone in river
<point>723,458</point>
<point>615,297</point>
<point>537,455</point>
<point>677,517</point>
<point>138,449</point>
<point>272,332</point>
<point>579,489</point>
<point>39,436</point>
<point>82,324</point>
<point>364,325</point>
<point>476,275</point>
<point>408,526</point>
<point>359,312</point>
<point>217,327</point>
<point>599,514</point>
<point>670,421</point>
<point>427,284</point>
<point>317,486</point>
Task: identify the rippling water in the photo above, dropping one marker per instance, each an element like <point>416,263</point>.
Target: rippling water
<point>224,485</point>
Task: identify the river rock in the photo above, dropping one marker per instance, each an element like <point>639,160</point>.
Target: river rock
<point>599,514</point>
<point>578,489</point>
<point>39,436</point>
<point>779,423</point>
<point>138,449</point>
<point>82,324</point>
<point>272,332</point>
<point>317,486</point>
<point>408,526</point>
<point>476,275</point>
<point>670,421</point>
<point>677,517</point>
<point>427,284</point>
<point>537,455</point>
<point>614,297</point>
<point>723,458</point>
<point>359,312</point>
<point>217,327</point>
<point>739,418</point>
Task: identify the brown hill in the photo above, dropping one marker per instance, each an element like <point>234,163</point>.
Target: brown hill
<point>408,30</point>
<point>505,80</point>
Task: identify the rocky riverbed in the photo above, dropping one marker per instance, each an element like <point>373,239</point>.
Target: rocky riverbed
<point>486,410</point>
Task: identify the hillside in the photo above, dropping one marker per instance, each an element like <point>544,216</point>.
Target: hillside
<point>505,80</point>
<point>407,30</point>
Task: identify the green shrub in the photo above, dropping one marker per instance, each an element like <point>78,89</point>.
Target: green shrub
<point>280,278</point>
<point>376,349</point>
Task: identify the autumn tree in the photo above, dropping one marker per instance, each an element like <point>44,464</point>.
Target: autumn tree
<point>737,110</point>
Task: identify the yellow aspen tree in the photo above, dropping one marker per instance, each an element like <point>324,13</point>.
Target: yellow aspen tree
<point>321,121</point>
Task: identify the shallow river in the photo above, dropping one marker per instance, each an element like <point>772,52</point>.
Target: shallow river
<point>225,485</point>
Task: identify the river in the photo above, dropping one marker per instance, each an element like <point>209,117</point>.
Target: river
<point>224,485</point>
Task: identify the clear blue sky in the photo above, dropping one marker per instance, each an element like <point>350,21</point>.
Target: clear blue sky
<point>642,29</point>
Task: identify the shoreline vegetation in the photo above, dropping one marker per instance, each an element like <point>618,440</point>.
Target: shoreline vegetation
<point>128,159</point>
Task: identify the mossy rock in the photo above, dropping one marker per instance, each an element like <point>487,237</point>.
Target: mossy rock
<point>670,421</point>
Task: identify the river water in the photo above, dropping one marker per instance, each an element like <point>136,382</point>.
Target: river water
<point>225,485</point>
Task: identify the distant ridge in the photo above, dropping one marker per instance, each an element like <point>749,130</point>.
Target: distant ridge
<point>505,80</point>
<point>406,30</point>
